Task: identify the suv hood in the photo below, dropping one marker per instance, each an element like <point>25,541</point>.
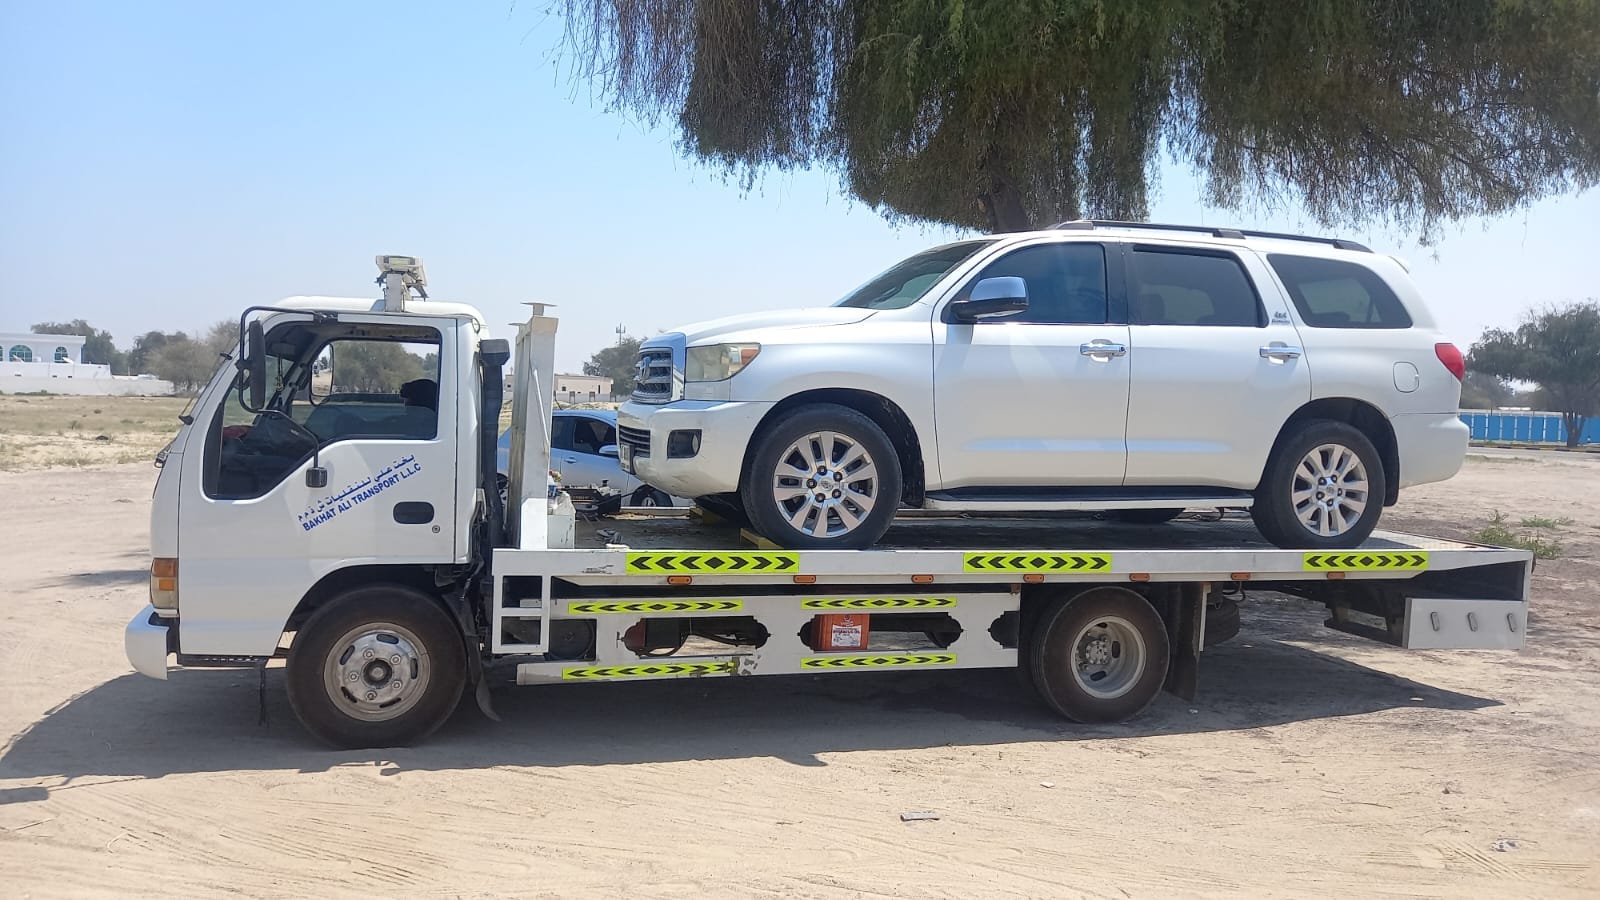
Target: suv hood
<point>734,326</point>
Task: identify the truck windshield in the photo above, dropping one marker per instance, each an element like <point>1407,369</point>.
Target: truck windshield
<point>906,281</point>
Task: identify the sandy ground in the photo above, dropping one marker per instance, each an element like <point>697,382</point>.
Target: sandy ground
<point>1312,763</point>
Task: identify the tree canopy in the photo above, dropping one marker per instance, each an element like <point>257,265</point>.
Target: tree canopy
<point>1009,114</point>
<point>1559,349</point>
<point>617,361</point>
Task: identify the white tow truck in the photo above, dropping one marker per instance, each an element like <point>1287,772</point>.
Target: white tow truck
<point>316,508</point>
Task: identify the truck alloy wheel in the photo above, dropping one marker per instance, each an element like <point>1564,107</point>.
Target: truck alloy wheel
<point>823,477</point>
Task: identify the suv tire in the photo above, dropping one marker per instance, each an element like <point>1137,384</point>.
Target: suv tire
<point>803,495</point>
<point>1323,488</point>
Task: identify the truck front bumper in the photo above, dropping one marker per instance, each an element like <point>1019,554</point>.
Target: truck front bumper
<point>148,641</point>
<point>724,428</point>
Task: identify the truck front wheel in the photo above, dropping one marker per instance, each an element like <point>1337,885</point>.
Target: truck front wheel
<point>377,666</point>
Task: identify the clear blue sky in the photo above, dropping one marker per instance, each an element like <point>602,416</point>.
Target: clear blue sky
<point>164,164</point>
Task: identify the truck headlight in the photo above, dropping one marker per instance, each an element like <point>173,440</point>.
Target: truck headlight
<point>718,362</point>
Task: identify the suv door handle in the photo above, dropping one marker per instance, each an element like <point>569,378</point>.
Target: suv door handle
<point>1101,347</point>
<point>572,459</point>
<point>1279,351</point>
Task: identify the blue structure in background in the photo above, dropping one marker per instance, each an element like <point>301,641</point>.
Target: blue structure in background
<point>1526,427</point>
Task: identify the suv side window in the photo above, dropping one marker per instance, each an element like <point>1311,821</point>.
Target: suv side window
<point>1332,293</point>
<point>1190,287</point>
<point>1066,282</point>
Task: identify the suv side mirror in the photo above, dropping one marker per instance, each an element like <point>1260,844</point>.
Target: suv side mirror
<point>991,298</point>
<point>609,450</point>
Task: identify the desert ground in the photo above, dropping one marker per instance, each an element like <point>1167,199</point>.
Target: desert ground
<point>1312,762</point>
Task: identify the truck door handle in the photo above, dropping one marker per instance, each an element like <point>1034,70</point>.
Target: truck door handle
<point>1099,347</point>
<point>413,512</point>
<point>1276,351</point>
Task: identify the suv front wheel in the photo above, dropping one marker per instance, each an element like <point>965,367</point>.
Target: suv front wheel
<point>1323,489</point>
<point>822,477</point>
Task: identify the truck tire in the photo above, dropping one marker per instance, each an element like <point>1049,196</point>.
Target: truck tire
<point>1100,656</point>
<point>1323,489</point>
<point>378,666</point>
<point>822,477</point>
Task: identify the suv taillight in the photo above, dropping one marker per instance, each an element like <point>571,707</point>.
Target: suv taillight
<point>1451,357</point>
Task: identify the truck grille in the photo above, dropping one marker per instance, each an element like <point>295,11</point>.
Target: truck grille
<point>636,438</point>
<point>653,382</point>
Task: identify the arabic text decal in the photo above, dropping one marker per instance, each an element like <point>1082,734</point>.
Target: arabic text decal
<point>325,509</point>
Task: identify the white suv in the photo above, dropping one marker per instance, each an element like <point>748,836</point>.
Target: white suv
<point>1138,369</point>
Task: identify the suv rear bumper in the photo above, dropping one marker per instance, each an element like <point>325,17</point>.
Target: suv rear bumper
<point>725,429</point>
<point>1432,446</point>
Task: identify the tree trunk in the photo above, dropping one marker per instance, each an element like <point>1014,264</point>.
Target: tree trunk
<point>1002,203</point>
<point>1574,424</point>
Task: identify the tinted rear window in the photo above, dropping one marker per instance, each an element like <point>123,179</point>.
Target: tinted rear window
<point>1331,293</point>
<point>1182,287</point>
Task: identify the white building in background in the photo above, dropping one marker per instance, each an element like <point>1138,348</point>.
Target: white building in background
<point>54,363</point>
<point>583,388</point>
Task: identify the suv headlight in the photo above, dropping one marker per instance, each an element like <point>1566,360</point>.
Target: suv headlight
<point>718,362</point>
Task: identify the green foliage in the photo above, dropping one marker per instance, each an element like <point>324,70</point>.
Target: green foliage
<point>1545,522</point>
<point>618,361</point>
<point>1008,114</point>
<point>98,349</point>
<point>1499,533</point>
<point>376,366</point>
<point>185,362</point>
<point>1480,390</point>
<point>1557,348</point>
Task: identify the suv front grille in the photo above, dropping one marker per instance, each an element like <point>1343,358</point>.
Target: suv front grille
<point>636,438</point>
<point>654,380</point>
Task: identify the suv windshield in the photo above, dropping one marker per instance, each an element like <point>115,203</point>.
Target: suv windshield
<point>906,281</point>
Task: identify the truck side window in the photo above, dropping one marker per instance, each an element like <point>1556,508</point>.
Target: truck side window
<point>1191,287</point>
<point>326,387</point>
<point>1066,282</point>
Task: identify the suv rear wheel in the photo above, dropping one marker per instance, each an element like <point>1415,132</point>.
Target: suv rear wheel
<point>822,477</point>
<point>1322,490</point>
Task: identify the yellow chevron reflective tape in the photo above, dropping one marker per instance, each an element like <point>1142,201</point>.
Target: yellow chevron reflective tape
<point>1366,561</point>
<point>884,603</point>
<point>712,562</point>
<point>654,606</point>
<point>879,660</point>
<point>1032,562</point>
<point>648,670</point>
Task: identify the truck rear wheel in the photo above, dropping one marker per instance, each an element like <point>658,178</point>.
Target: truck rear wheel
<point>1100,656</point>
<point>377,666</point>
<point>822,477</point>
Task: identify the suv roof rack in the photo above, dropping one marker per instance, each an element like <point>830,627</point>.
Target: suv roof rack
<point>1235,233</point>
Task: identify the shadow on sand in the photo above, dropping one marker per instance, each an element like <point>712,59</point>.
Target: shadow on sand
<point>205,721</point>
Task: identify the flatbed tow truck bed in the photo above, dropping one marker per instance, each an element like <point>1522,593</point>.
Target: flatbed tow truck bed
<point>944,594</point>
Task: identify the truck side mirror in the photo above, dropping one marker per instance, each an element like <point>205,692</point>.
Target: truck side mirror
<point>256,359</point>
